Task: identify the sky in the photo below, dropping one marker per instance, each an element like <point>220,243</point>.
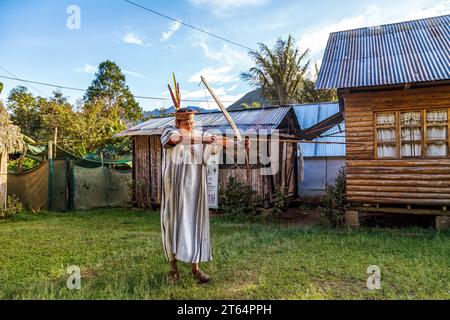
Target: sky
<point>41,40</point>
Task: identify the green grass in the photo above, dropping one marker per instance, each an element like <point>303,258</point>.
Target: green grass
<point>121,257</point>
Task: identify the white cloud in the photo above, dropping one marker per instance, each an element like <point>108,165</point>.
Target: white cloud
<point>207,101</point>
<point>217,75</point>
<point>219,7</point>
<point>173,27</point>
<point>133,38</point>
<point>225,54</point>
<point>232,88</point>
<point>87,68</point>
<point>132,73</point>
<point>316,39</point>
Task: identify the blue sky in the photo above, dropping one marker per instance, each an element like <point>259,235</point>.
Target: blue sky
<point>35,43</point>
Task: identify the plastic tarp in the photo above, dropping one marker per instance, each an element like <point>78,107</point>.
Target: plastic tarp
<point>31,187</point>
<point>100,187</point>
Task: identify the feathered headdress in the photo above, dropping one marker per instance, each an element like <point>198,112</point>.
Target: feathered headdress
<point>175,94</point>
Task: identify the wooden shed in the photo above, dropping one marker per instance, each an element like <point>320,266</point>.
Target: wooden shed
<point>394,84</point>
<point>147,151</point>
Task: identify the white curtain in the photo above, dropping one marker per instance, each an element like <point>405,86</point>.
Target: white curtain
<point>385,151</point>
<point>410,118</point>
<point>437,116</point>
<point>386,135</point>
<point>386,118</point>
<point>409,134</point>
<point>411,149</point>
<point>437,148</point>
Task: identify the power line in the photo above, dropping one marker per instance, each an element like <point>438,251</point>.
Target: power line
<point>189,25</point>
<point>93,90</point>
<point>12,74</point>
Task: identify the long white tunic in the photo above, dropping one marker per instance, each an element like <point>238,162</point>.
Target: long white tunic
<point>184,200</point>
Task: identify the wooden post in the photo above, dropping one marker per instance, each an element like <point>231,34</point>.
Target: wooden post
<point>3,179</point>
<point>55,141</point>
<point>50,174</point>
<point>352,218</point>
<point>442,222</point>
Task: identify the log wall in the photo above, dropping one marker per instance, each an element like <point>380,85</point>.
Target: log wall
<point>418,181</point>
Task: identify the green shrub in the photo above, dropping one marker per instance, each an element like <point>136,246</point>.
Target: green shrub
<point>334,201</point>
<point>13,207</point>
<point>22,164</point>
<point>280,201</point>
<point>236,199</point>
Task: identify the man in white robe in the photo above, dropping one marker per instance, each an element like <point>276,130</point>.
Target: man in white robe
<point>184,199</point>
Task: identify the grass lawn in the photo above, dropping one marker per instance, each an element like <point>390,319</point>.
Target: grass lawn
<point>120,255</point>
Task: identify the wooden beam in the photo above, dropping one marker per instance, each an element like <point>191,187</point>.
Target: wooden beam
<point>415,211</point>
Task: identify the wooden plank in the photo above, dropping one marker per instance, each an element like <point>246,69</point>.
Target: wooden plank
<point>405,189</point>
<point>403,195</point>
<point>385,200</point>
<point>438,177</point>
<point>418,211</point>
<point>3,179</point>
<point>400,163</point>
<point>398,170</point>
<point>397,183</point>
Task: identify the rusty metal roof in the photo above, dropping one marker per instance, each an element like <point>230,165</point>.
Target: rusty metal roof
<point>246,119</point>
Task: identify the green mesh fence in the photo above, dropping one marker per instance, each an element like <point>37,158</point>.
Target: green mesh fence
<point>100,187</point>
<point>59,188</point>
<point>70,182</point>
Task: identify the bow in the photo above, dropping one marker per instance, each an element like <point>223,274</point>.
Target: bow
<point>231,122</point>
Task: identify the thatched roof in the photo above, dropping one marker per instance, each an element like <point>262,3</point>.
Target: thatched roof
<point>10,137</point>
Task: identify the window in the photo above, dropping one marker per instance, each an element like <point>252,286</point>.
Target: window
<point>386,135</point>
<point>409,134</point>
<point>437,133</point>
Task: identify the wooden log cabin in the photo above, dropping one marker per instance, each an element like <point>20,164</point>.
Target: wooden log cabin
<point>147,152</point>
<point>393,83</point>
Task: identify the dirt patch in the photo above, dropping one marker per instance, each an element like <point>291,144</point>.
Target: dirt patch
<point>302,217</point>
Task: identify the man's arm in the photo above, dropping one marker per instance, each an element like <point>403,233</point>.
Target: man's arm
<point>189,139</point>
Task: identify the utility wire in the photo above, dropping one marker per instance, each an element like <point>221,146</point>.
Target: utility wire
<point>93,90</point>
<point>17,78</point>
<point>189,25</point>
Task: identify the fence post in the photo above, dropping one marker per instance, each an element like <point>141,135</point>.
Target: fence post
<point>50,174</point>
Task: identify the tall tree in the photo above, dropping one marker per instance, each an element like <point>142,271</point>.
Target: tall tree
<point>109,87</point>
<point>278,72</point>
<point>24,111</point>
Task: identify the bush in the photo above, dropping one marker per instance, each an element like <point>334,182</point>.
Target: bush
<point>13,207</point>
<point>22,164</point>
<point>236,199</point>
<point>334,201</point>
<point>280,201</point>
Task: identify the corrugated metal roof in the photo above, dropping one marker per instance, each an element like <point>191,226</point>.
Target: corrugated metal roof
<point>310,114</point>
<point>246,119</point>
<point>399,53</point>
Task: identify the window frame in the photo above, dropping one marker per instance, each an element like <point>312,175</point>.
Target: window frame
<point>423,130</point>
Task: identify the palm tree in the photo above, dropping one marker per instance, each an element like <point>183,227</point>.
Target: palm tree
<point>253,105</point>
<point>310,94</point>
<point>279,72</point>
